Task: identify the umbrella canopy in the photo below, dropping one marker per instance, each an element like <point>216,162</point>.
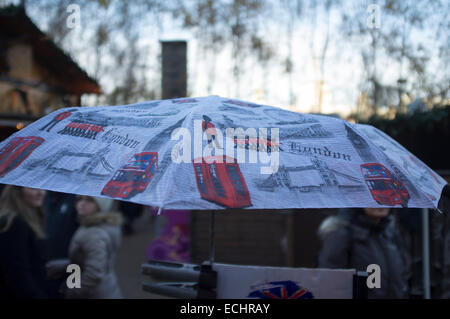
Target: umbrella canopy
<point>216,153</point>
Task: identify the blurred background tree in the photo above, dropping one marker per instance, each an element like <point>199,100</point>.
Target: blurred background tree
<point>406,57</point>
<point>110,43</point>
<point>306,55</point>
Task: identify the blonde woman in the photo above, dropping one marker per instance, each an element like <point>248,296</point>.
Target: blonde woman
<point>22,256</point>
<point>93,248</point>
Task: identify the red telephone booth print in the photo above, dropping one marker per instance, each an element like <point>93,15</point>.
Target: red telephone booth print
<point>16,151</point>
<point>133,177</point>
<point>385,187</point>
<point>221,183</point>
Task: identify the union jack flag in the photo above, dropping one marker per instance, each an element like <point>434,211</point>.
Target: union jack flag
<point>280,290</point>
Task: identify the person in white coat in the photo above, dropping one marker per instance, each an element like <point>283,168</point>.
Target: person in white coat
<point>93,248</point>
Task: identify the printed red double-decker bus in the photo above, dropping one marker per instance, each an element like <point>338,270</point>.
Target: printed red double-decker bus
<point>133,177</point>
<point>221,183</point>
<point>385,187</point>
<point>16,151</point>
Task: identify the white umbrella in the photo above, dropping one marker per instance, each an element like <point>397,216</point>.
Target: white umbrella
<point>213,153</point>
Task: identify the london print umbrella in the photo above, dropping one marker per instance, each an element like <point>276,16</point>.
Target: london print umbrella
<point>213,153</point>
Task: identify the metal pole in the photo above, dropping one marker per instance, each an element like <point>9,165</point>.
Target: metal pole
<point>211,239</point>
<point>425,254</point>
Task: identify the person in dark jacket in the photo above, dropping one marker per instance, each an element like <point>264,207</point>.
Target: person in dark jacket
<point>22,252</point>
<point>61,222</point>
<point>361,237</point>
<point>130,212</point>
<point>440,246</point>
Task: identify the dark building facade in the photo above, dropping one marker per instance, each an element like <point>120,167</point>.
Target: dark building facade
<point>36,76</point>
<point>174,69</point>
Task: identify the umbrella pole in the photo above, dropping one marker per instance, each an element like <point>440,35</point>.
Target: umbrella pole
<point>211,239</point>
<point>425,254</point>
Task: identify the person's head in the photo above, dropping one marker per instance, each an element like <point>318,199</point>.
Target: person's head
<point>377,213</point>
<point>33,197</point>
<point>25,202</point>
<point>88,205</point>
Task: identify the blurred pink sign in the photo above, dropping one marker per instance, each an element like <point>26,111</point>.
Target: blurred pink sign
<point>174,242</point>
